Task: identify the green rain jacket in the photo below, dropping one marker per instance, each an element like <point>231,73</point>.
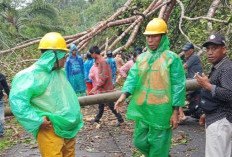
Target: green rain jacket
<point>40,91</point>
<point>156,82</point>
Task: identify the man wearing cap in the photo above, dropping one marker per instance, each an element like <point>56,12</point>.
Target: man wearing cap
<point>193,65</point>
<point>216,98</point>
<point>156,83</point>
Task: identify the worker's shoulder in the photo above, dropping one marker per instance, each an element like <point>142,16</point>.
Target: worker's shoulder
<point>165,53</point>
<point>171,53</point>
<point>144,54</point>
<point>30,73</point>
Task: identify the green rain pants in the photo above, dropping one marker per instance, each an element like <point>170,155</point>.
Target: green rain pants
<point>150,141</point>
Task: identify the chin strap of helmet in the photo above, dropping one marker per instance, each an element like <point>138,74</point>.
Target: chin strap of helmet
<point>57,62</point>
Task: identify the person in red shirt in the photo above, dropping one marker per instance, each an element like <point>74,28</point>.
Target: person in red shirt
<point>104,84</point>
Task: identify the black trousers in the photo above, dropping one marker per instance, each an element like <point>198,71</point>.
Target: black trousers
<point>111,106</point>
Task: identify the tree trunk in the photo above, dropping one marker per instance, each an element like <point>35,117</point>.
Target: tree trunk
<point>191,85</point>
<point>168,10</point>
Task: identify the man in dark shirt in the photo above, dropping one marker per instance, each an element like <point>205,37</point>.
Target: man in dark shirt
<point>219,88</point>
<point>3,86</point>
<point>193,63</point>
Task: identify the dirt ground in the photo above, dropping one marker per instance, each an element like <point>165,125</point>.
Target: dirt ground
<point>106,140</point>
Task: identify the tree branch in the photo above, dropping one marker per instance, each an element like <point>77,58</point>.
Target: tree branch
<point>133,35</point>
<point>139,19</point>
<point>212,10</point>
<point>203,17</point>
<point>181,19</point>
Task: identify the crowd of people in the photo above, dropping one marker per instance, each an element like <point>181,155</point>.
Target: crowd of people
<point>44,96</point>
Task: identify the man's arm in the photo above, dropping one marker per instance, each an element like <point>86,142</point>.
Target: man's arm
<point>203,81</point>
<point>224,92</point>
<point>128,87</point>
<point>178,89</point>
<point>185,66</point>
<point>190,61</point>
<point>174,119</point>
<point>119,103</point>
<point>178,82</point>
<point>24,87</point>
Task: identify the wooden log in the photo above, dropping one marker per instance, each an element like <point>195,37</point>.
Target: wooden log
<point>191,85</point>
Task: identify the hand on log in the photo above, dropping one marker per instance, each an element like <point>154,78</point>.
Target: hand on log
<point>118,104</point>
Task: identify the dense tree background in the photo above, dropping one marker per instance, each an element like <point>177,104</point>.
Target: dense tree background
<point>22,21</point>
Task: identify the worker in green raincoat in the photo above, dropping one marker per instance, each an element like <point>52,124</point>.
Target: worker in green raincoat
<point>44,102</point>
<point>156,83</point>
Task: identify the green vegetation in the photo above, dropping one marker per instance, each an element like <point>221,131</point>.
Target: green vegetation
<point>23,20</point>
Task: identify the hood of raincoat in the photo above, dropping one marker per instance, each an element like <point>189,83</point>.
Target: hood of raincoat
<point>156,82</point>
<point>73,47</point>
<point>48,59</point>
<point>155,54</point>
<point>163,45</point>
<point>39,91</point>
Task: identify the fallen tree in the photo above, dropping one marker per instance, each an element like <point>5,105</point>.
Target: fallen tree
<point>131,21</point>
<point>191,85</point>
<point>82,39</point>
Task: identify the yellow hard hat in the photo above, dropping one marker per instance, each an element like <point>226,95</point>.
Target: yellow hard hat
<point>53,41</point>
<point>156,26</point>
